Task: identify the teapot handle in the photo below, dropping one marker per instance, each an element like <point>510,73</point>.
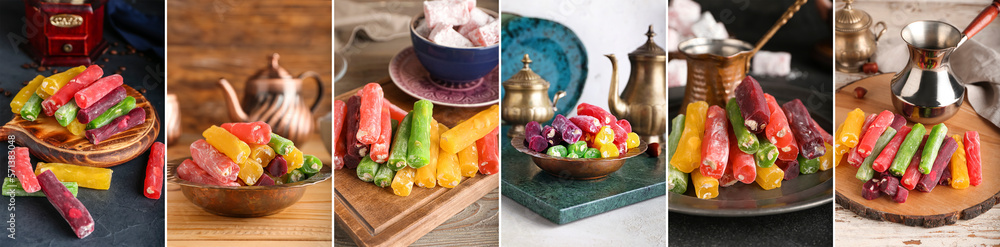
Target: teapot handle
<point>319,85</point>
<point>879,35</point>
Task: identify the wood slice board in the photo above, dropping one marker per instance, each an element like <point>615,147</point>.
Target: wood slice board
<point>52,142</point>
<point>374,216</point>
<point>942,206</point>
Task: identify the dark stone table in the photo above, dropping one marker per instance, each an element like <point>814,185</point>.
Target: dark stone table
<point>122,215</point>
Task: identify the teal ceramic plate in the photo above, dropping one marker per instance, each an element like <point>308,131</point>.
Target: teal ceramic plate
<point>556,54</point>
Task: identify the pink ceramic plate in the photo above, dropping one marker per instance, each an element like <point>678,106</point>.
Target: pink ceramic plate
<point>410,76</point>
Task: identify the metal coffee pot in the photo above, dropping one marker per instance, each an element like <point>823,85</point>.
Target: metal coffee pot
<point>926,90</point>
<point>644,101</point>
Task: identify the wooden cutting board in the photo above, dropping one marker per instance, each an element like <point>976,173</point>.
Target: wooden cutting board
<point>374,216</point>
<point>52,142</point>
<point>942,206</point>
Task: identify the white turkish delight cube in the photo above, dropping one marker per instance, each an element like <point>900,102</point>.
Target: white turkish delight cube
<point>487,34</point>
<point>447,36</point>
<point>445,12</point>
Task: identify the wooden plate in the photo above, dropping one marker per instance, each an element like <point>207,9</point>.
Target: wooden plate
<point>942,206</point>
<point>54,143</point>
<point>374,216</point>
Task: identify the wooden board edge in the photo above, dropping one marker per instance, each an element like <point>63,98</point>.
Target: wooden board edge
<point>927,221</point>
<point>421,221</point>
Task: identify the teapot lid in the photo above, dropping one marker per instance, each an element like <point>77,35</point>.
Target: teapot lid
<point>852,20</point>
<point>526,77</point>
<point>650,48</point>
<point>273,70</point>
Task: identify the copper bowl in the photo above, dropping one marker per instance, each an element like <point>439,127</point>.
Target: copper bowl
<point>579,169</point>
<point>243,201</point>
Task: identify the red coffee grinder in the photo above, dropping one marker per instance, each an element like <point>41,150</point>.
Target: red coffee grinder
<point>66,32</point>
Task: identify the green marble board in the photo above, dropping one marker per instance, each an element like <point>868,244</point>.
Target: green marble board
<point>564,200</point>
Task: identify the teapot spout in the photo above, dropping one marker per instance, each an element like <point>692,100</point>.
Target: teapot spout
<point>617,107</point>
<point>236,113</point>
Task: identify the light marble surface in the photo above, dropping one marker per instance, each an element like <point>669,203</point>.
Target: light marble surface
<point>853,230</point>
<point>640,224</point>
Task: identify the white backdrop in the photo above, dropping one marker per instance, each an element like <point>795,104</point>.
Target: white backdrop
<point>604,27</point>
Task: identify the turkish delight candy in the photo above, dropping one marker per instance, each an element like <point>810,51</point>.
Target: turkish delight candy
<point>264,180</point>
<point>597,112</point>
<point>68,206</point>
<point>447,36</point>
<point>941,161</point>
<point>489,156</point>
<point>67,92</point>
<point>810,141</point>
<point>370,114</point>
<point>87,114</point>
<point>22,169</point>
<point>486,35</point>
<point>772,63</point>
<point>446,13</point>
<point>135,117</point>
<point>278,166</point>
<point>569,132</point>
<point>192,172</point>
<point>587,124</point>
<point>870,190</point>
<point>901,194</point>
<point>153,184</point>
<point>477,18</point>
<point>94,92</point>
<point>216,164</point>
<point>715,144</point>
<point>791,168</point>
<point>85,176</point>
<point>252,133</point>
<point>753,106</point>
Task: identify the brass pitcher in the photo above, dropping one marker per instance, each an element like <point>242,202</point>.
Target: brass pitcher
<point>527,99</point>
<point>273,96</point>
<point>644,101</point>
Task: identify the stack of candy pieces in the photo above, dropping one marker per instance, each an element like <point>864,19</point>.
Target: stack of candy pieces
<point>594,133</point>
<point>893,158</point>
<point>458,23</point>
<point>750,139</point>
<point>411,148</point>
<point>238,154</point>
<point>82,101</point>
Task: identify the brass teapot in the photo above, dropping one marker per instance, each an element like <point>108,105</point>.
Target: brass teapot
<point>527,99</point>
<point>644,101</point>
<point>855,42</point>
<point>273,96</point>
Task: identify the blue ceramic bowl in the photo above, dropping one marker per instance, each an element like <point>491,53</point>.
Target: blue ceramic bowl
<point>454,65</point>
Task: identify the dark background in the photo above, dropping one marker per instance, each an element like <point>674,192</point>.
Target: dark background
<point>122,215</point>
<point>748,21</point>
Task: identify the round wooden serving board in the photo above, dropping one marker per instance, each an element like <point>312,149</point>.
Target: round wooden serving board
<point>942,206</point>
<point>54,143</point>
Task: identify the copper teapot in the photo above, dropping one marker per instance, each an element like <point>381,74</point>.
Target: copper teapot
<point>644,100</point>
<point>273,96</point>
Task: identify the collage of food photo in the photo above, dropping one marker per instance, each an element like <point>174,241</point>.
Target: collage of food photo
<point>500,123</point>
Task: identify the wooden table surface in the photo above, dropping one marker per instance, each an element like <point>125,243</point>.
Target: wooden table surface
<point>308,222</point>
<point>232,39</point>
<point>369,62</point>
